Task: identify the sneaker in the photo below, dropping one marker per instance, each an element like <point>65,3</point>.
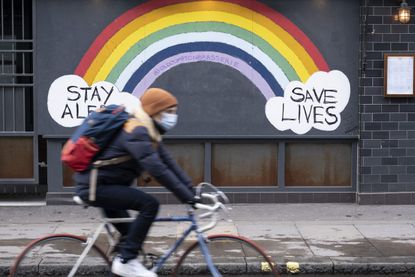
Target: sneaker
<point>132,268</point>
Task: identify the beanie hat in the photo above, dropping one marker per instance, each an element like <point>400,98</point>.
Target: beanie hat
<point>154,100</point>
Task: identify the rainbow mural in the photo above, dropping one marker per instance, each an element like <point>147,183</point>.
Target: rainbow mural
<point>156,36</point>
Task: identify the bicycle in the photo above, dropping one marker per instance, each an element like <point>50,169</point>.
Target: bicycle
<point>67,254</point>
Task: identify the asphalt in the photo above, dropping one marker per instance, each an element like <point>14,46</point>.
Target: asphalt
<point>319,238</point>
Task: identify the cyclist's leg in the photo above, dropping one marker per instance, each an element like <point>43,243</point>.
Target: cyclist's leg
<point>118,197</point>
<point>82,190</point>
<point>121,227</point>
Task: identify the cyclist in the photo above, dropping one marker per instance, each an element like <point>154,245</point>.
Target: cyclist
<point>141,139</point>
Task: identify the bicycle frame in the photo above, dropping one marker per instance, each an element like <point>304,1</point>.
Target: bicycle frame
<point>160,262</point>
<point>200,238</point>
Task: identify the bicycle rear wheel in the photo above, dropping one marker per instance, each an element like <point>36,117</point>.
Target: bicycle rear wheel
<point>232,255</point>
<point>55,255</point>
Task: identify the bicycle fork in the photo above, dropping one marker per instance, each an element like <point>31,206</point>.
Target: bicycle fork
<point>203,246</point>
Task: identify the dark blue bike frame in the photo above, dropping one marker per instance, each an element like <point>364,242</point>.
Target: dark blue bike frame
<point>200,238</point>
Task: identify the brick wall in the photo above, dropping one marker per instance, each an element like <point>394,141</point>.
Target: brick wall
<point>387,125</point>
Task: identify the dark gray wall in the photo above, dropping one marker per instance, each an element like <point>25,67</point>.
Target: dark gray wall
<point>64,32</point>
<point>215,100</point>
<point>387,145</point>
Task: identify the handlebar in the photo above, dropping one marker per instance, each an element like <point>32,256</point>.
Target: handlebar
<point>217,199</point>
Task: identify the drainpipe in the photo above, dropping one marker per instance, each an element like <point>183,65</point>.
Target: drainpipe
<point>362,74</point>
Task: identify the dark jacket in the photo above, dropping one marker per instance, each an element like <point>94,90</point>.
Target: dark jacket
<point>148,154</point>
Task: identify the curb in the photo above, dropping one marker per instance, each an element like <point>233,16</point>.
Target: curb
<point>343,265</point>
<point>353,265</point>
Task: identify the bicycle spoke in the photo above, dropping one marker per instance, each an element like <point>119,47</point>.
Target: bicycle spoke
<point>231,255</point>
<point>56,255</point>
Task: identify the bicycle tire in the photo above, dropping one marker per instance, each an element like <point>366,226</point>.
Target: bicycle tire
<point>55,255</point>
<point>232,255</point>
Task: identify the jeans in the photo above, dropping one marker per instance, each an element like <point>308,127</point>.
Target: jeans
<point>115,200</point>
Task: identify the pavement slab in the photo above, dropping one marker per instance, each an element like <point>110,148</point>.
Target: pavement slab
<point>392,247</point>
<point>322,238</point>
<point>324,232</point>
<point>386,230</point>
<point>267,230</point>
<point>285,248</point>
<point>25,231</point>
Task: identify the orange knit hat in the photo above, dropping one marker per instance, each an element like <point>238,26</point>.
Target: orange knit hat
<point>155,100</point>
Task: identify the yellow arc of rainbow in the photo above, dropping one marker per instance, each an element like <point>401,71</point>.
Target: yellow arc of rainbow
<point>170,15</point>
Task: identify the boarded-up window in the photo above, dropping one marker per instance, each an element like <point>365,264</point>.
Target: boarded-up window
<point>190,157</point>
<point>244,164</point>
<point>16,157</point>
<point>67,176</point>
<point>318,164</point>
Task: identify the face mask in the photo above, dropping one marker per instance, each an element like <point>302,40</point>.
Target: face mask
<point>168,120</point>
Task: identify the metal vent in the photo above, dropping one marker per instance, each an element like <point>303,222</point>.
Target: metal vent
<point>16,66</point>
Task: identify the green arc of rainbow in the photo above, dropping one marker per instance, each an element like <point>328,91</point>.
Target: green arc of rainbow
<point>115,53</point>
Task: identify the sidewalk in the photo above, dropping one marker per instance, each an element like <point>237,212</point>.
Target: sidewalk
<point>322,238</point>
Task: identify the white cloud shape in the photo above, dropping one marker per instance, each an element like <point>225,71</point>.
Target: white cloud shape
<point>315,104</point>
<point>71,99</point>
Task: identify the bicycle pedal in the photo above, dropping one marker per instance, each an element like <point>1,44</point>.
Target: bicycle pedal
<point>152,256</point>
<point>114,250</point>
<point>87,241</point>
<point>150,259</point>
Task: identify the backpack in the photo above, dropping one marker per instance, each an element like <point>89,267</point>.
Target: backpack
<point>92,136</point>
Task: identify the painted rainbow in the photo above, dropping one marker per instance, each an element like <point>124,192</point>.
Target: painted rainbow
<point>153,37</point>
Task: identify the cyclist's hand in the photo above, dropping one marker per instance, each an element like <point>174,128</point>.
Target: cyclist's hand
<point>191,188</point>
<point>193,202</point>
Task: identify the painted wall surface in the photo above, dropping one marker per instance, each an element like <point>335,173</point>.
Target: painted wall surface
<point>238,68</point>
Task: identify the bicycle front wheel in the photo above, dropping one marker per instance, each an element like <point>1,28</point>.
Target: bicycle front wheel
<point>55,255</point>
<point>231,255</point>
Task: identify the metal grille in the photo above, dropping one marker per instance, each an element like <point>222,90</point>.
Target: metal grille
<point>16,66</point>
